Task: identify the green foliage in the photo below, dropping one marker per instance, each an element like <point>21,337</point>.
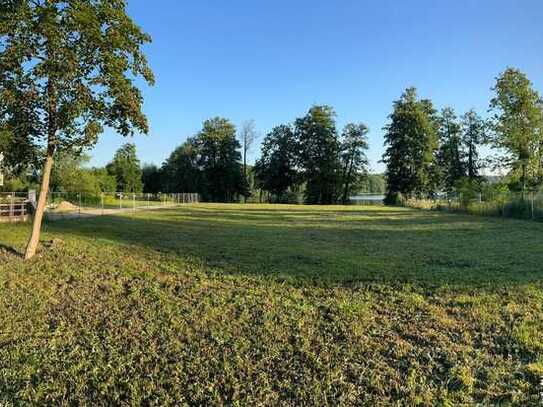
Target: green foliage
<point>450,155</point>
<point>209,163</point>
<point>353,159</point>
<point>151,178</point>
<point>411,140</point>
<point>275,171</point>
<point>274,305</point>
<point>312,156</point>
<point>473,134</point>
<point>73,63</point>
<point>107,183</point>
<point>22,183</point>
<point>181,171</point>
<point>126,169</point>
<point>518,127</point>
<point>70,175</point>
<point>373,184</point>
<point>20,155</point>
<point>220,161</point>
<point>319,148</point>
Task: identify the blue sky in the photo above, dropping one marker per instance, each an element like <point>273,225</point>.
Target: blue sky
<point>271,60</point>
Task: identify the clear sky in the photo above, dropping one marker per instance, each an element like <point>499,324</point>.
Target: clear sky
<point>271,60</point>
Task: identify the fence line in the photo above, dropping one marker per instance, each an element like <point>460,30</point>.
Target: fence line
<point>68,204</point>
<point>511,205</point>
<point>14,206</point>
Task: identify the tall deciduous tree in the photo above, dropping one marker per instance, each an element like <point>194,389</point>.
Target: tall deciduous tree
<point>126,169</point>
<point>411,141</point>
<point>219,159</point>
<point>68,175</point>
<point>517,125</point>
<point>276,170</point>
<point>67,68</point>
<point>181,171</point>
<point>151,177</point>
<point>319,154</point>
<point>451,154</point>
<point>247,135</point>
<point>354,163</point>
<point>473,133</point>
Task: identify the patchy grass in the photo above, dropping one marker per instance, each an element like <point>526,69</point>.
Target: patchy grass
<point>262,304</point>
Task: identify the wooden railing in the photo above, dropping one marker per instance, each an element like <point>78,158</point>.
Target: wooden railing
<point>14,210</point>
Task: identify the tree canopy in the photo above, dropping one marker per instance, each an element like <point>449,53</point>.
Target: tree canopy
<point>517,125</point>
<point>126,169</point>
<point>353,159</point>
<point>276,170</point>
<point>66,70</point>
<point>319,147</point>
<point>411,140</point>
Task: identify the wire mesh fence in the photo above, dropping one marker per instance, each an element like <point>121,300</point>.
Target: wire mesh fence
<point>68,204</point>
<point>367,199</point>
<point>528,205</point>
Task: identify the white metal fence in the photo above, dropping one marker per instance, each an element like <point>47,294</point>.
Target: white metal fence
<point>15,206</point>
<point>68,204</point>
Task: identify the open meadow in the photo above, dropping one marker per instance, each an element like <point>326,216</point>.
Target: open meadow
<point>214,304</point>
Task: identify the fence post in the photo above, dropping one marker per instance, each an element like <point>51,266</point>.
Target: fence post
<point>120,201</point>
<point>134,201</point>
<point>102,202</point>
<point>79,197</point>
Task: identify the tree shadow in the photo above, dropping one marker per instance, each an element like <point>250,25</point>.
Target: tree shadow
<point>332,247</point>
<point>11,251</point>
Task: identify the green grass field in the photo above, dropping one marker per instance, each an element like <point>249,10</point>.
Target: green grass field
<point>267,305</point>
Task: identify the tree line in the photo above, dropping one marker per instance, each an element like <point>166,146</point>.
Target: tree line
<point>69,69</point>
<point>307,157</point>
<point>430,153</point>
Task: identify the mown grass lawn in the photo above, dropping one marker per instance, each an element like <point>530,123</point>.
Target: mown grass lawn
<point>267,305</point>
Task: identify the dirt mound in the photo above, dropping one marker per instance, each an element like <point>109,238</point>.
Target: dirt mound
<point>65,206</point>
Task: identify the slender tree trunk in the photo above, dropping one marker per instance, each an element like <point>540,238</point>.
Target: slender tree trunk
<point>347,179</point>
<point>344,182</point>
<point>471,170</point>
<point>32,245</point>
<point>347,184</point>
<point>34,240</point>
<point>245,165</point>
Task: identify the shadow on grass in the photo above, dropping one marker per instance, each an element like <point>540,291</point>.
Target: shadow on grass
<point>331,247</point>
<point>9,250</point>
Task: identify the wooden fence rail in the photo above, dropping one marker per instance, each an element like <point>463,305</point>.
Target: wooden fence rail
<point>15,211</point>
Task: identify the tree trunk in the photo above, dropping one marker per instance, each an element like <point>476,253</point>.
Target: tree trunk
<point>523,181</point>
<point>471,170</point>
<point>347,177</point>
<point>32,245</point>
<point>245,166</point>
<point>34,240</point>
